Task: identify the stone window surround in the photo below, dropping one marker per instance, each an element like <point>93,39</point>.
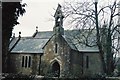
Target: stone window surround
<point>56,60</point>
<point>28,59</point>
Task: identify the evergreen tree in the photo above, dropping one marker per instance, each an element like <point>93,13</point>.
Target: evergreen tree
<point>10,13</point>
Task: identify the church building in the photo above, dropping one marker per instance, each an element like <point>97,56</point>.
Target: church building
<point>54,53</point>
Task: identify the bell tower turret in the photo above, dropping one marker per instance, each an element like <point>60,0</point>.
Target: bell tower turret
<point>58,28</point>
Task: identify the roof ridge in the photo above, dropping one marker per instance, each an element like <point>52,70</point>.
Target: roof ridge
<point>32,38</point>
<point>65,30</point>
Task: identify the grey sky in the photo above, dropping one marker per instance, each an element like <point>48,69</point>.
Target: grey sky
<point>38,13</point>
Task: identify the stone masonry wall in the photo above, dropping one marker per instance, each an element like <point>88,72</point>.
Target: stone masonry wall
<point>62,55</point>
<point>94,64</point>
<point>16,64</point>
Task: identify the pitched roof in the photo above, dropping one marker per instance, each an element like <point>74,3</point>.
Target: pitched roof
<point>44,34</point>
<point>29,45</point>
<point>72,37</point>
<point>70,43</point>
<point>12,42</point>
<point>76,39</point>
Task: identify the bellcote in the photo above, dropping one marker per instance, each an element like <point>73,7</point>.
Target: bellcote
<point>58,28</point>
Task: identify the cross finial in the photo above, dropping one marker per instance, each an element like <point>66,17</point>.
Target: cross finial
<point>19,34</point>
<point>36,28</point>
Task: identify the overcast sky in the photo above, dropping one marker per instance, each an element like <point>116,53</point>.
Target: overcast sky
<point>38,13</point>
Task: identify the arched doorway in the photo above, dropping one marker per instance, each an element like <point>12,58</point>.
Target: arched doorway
<point>56,69</point>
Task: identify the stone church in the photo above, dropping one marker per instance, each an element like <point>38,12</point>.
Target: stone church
<point>54,53</point>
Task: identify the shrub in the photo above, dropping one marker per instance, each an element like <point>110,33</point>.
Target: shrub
<point>12,76</point>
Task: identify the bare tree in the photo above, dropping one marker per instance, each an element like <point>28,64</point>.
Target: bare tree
<point>82,15</point>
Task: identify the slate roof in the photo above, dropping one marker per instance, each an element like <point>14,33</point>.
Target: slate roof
<point>13,42</point>
<point>36,43</point>
<point>29,45</point>
<point>80,47</point>
<point>75,37</point>
<point>44,34</point>
<point>72,36</point>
